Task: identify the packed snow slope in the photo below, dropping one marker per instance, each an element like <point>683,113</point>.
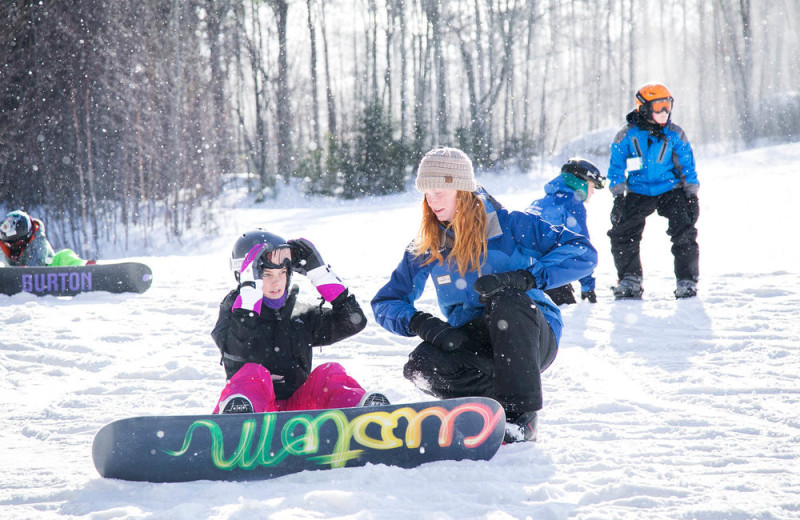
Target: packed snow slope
<point>654,409</point>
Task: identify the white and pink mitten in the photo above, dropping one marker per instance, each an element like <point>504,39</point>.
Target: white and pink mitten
<point>250,284</point>
<point>327,283</point>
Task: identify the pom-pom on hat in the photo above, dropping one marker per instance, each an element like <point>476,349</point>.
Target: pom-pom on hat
<point>446,169</point>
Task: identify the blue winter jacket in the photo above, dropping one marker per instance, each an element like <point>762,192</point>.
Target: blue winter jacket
<point>666,162</point>
<point>516,240</point>
<point>561,206</point>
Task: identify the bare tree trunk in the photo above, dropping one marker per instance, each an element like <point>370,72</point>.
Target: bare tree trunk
<point>172,220</point>
<point>746,68</point>
<point>507,24</point>
<point>314,89</point>
<point>548,62</point>
<point>372,49</point>
<point>90,175</point>
<point>741,65</point>
<point>283,101</point>
<point>140,169</point>
<point>434,16</point>
<point>480,58</point>
<point>702,63</point>
<point>422,71</point>
<point>391,16</point>
<point>401,6</point>
<point>331,102</point>
<point>81,180</point>
<point>632,45</point>
<point>529,49</point>
<point>216,10</point>
<point>257,146</point>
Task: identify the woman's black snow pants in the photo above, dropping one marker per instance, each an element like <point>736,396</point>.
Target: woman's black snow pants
<point>510,346</point>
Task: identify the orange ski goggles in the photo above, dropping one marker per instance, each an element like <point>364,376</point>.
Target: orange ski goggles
<point>661,105</point>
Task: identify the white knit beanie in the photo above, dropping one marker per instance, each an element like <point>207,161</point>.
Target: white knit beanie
<point>446,169</point>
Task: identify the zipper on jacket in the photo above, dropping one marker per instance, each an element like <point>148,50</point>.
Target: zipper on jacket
<point>663,150</point>
<point>637,147</point>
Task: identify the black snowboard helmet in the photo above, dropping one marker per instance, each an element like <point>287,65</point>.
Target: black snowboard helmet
<point>16,226</point>
<point>585,170</point>
<point>247,241</point>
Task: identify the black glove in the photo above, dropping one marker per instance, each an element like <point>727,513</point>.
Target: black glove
<point>435,331</point>
<point>692,207</point>
<point>489,285</point>
<point>589,295</point>
<point>617,210</point>
<point>305,256</point>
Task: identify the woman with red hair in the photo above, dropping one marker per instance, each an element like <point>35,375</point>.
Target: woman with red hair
<point>489,267</point>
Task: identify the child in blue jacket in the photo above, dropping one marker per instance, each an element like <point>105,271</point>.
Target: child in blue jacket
<point>652,169</point>
<point>564,206</point>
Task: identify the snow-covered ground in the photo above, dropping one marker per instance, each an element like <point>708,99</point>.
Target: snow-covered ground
<point>654,409</point>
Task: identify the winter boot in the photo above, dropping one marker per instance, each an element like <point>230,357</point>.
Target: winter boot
<point>629,288</point>
<point>686,289</point>
<point>373,399</point>
<point>521,429</point>
<point>564,295</point>
<point>237,403</point>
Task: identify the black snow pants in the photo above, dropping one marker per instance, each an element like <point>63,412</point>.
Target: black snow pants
<point>626,233</point>
<point>510,346</point>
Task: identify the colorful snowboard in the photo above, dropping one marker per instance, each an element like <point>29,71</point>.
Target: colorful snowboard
<point>269,445</point>
<point>68,281</point>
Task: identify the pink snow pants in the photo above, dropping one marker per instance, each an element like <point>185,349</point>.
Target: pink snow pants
<point>328,386</point>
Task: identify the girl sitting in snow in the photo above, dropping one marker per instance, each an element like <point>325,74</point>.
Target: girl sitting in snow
<point>265,337</point>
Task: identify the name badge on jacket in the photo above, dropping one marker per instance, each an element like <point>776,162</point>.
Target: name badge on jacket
<point>634,163</point>
<point>443,279</point>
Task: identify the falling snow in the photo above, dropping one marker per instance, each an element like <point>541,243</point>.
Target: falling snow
<point>656,409</point>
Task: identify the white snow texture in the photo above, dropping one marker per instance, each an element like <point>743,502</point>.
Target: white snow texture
<point>654,409</point>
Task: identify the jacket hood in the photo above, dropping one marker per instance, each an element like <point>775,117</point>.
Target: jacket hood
<point>491,205</point>
<point>558,185</point>
<point>635,118</point>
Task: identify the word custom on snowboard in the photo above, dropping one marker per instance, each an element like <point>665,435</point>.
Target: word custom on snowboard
<point>258,446</point>
<point>265,451</point>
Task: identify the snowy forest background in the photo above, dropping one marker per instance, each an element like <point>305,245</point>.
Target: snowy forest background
<point>118,118</point>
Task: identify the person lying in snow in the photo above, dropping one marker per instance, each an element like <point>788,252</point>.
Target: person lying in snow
<point>24,244</point>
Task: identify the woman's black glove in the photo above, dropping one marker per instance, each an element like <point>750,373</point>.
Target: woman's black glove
<point>437,332</point>
<point>617,210</point>
<point>489,285</point>
<point>305,256</point>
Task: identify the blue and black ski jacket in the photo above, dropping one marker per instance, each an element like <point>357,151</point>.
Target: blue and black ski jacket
<point>562,206</point>
<point>667,161</point>
<point>516,240</point>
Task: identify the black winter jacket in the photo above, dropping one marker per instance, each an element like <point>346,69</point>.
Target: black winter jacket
<point>281,340</point>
